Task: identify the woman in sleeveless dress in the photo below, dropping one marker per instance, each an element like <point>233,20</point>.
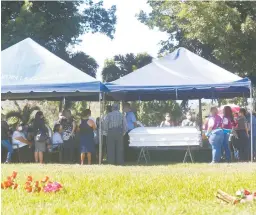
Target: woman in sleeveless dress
<point>86,132</point>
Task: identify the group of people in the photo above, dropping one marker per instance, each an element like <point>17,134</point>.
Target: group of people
<point>39,137</point>
<point>170,123</point>
<point>229,134</point>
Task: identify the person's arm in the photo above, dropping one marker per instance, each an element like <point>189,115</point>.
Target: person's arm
<point>162,123</point>
<point>23,140</point>
<point>125,128</point>
<point>74,128</point>
<point>210,126</point>
<point>134,121</point>
<point>92,124</point>
<point>246,128</point>
<point>105,125</point>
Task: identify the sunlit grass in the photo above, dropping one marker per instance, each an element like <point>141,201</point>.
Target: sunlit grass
<point>171,189</point>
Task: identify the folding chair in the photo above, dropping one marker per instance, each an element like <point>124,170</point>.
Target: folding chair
<point>16,146</point>
<point>56,149</point>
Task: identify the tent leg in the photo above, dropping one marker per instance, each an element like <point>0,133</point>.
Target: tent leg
<point>200,116</point>
<point>100,129</point>
<point>251,110</point>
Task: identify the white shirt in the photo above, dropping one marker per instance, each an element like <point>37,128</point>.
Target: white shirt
<point>57,139</point>
<point>225,121</point>
<point>211,122</point>
<point>17,134</point>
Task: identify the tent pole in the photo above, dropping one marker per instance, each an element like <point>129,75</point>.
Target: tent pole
<point>100,129</point>
<point>251,110</point>
<point>200,116</point>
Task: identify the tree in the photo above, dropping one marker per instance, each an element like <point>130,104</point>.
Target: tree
<point>85,63</point>
<point>24,115</point>
<point>122,65</point>
<point>223,32</point>
<point>57,25</point>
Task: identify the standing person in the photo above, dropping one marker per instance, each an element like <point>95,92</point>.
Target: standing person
<point>115,127</point>
<point>242,140</point>
<point>188,121</point>
<point>104,144</point>
<point>5,142</point>
<point>168,122</point>
<point>227,123</point>
<point>86,132</point>
<point>68,134</point>
<point>41,136</point>
<point>131,124</point>
<point>215,134</point>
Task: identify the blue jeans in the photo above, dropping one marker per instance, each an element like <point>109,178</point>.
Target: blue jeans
<point>225,146</point>
<point>8,146</point>
<point>216,139</point>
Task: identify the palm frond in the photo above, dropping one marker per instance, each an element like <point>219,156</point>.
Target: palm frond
<point>13,117</point>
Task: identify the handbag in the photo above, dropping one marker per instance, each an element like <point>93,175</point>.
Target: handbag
<point>41,137</point>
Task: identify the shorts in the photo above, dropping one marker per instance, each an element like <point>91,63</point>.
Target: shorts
<point>40,146</point>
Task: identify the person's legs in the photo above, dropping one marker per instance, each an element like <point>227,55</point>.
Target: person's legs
<point>244,145</point>
<point>89,157</point>
<point>41,157</point>
<point>36,155</point>
<point>82,158</point>
<point>216,140</point>
<point>110,148</point>
<point>66,152</point>
<point>226,147</point>
<point>8,146</point>
<point>126,147</point>
<point>119,149</point>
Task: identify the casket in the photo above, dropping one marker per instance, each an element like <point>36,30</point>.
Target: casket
<point>176,137</point>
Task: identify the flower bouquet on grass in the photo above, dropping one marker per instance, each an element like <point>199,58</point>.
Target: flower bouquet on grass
<point>242,196</point>
<point>10,183</point>
<point>31,186</point>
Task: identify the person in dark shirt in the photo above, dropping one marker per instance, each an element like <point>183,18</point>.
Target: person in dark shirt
<point>86,133</point>
<point>5,142</point>
<point>242,140</point>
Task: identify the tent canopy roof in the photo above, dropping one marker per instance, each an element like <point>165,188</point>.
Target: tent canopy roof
<point>28,67</point>
<point>179,75</point>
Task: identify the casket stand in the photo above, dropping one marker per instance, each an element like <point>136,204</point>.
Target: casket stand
<point>155,138</point>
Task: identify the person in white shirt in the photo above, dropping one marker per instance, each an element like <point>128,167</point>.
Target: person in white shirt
<point>57,138</point>
<point>20,142</point>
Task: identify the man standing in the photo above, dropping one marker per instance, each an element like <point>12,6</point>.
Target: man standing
<point>131,124</point>
<point>114,127</point>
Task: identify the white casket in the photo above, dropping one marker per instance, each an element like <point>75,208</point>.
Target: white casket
<point>165,138</point>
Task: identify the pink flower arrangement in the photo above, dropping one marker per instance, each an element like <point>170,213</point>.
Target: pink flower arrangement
<point>52,187</point>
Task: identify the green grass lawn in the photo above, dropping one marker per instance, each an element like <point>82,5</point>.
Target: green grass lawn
<point>166,189</point>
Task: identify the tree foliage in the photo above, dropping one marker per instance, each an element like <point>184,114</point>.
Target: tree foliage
<point>221,31</point>
<point>122,65</point>
<point>24,115</point>
<point>57,25</point>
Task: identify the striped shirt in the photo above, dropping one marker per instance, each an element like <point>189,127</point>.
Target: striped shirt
<point>114,120</point>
